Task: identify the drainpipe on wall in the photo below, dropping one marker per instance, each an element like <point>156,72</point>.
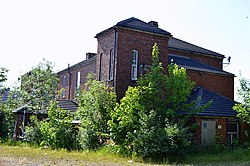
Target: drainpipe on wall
<point>69,81</point>
<point>114,75</point>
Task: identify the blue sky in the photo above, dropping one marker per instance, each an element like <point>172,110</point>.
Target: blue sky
<point>62,31</point>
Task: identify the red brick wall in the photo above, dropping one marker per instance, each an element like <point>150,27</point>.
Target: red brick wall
<point>212,61</point>
<point>223,85</point>
<point>84,70</point>
<point>105,45</point>
<point>128,41</point>
<point>221,134</point>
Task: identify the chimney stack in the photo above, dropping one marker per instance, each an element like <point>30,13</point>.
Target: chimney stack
<point>90,55</point>
<point>153,23</point>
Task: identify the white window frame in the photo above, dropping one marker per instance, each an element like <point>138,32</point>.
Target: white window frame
<point>78,82</point>
<point>231,134</point>
<point>64,82</point>
<point>134,66</point>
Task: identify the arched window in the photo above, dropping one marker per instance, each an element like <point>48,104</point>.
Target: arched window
<point>134,65</point>
<point>64,86</point>
<point>78,81</point>
<point>100,68</point>
<point>111,65</point>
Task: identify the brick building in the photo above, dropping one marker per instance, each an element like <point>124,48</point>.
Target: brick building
<point>124,52</point>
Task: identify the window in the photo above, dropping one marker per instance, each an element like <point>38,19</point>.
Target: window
<point>111,65</point>
<point>232,132</point>
<point>100,68</point>
<point>134,65</point>
<point>78,81</point>
<point>64,81</point>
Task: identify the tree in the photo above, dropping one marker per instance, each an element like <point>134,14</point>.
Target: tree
<point>243,108</point>
<point>38,86</point>
<point>96,102</point>
<point>57,131</point>
<point>3,76</point>
<point>6,108</point>
<point>145,122</point>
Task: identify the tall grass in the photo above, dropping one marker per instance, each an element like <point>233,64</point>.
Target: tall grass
<point>221,156</point>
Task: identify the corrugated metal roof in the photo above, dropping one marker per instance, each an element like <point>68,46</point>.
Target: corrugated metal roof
<point>192,64</point>
<point>220,106</point>
<point>178,44</point>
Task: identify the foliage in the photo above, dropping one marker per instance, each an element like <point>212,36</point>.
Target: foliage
<point>6,108</point>
<point>146,122</point>
<point>33,133</point>
<point>243,108</point>
<point>39,85</point>
<point>57,131</point>
<point>3,76</point>
<point>95,104</point>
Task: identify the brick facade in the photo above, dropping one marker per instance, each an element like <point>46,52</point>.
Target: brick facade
<point>221,84</point>
<point>70,73</point>
<point>121,41</point>
<point>142,42</point>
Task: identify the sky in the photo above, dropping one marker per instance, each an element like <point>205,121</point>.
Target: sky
<point>62,31</point>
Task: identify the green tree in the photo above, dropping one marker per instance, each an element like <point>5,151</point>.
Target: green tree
<point>57,131</point>
<point>38,86</point>
<point>95,104</point>
<point>3,76</point>
<point>243,108</point>
<point>6,108</point>
<point>145,122</point>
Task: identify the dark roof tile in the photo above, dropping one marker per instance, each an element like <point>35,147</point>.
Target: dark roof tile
<point>220,106</point>
<point>192,64</point>
<point>136,24</point>
<point>178,44</point>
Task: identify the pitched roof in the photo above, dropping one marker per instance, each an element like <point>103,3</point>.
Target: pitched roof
<point>192,64</point>
<point>178,44</point>
<point>220,106</point>
<point>82,63</point>
<point>136,24</point>
<point>68,105</point>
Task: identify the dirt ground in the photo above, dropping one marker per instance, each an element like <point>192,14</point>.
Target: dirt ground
<point>8,161</point>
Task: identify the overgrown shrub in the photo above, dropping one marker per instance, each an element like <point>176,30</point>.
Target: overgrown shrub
<point>57,131</point>
<point>146,122</point>
<point>96,102</point>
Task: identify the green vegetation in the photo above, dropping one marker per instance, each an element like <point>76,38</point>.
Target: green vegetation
<point>96,102</point>
<point>38,89</point>
<point>24,154</point>
<point>243,108</point>
<point>145,126</point>
<point>3,76</point>
<point>146,123</point>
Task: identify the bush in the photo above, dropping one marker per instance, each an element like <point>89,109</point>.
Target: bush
<point>95,104</point>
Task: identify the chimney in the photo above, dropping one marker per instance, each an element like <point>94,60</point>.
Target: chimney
<point>90,55</point>
<point>153,23</point>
